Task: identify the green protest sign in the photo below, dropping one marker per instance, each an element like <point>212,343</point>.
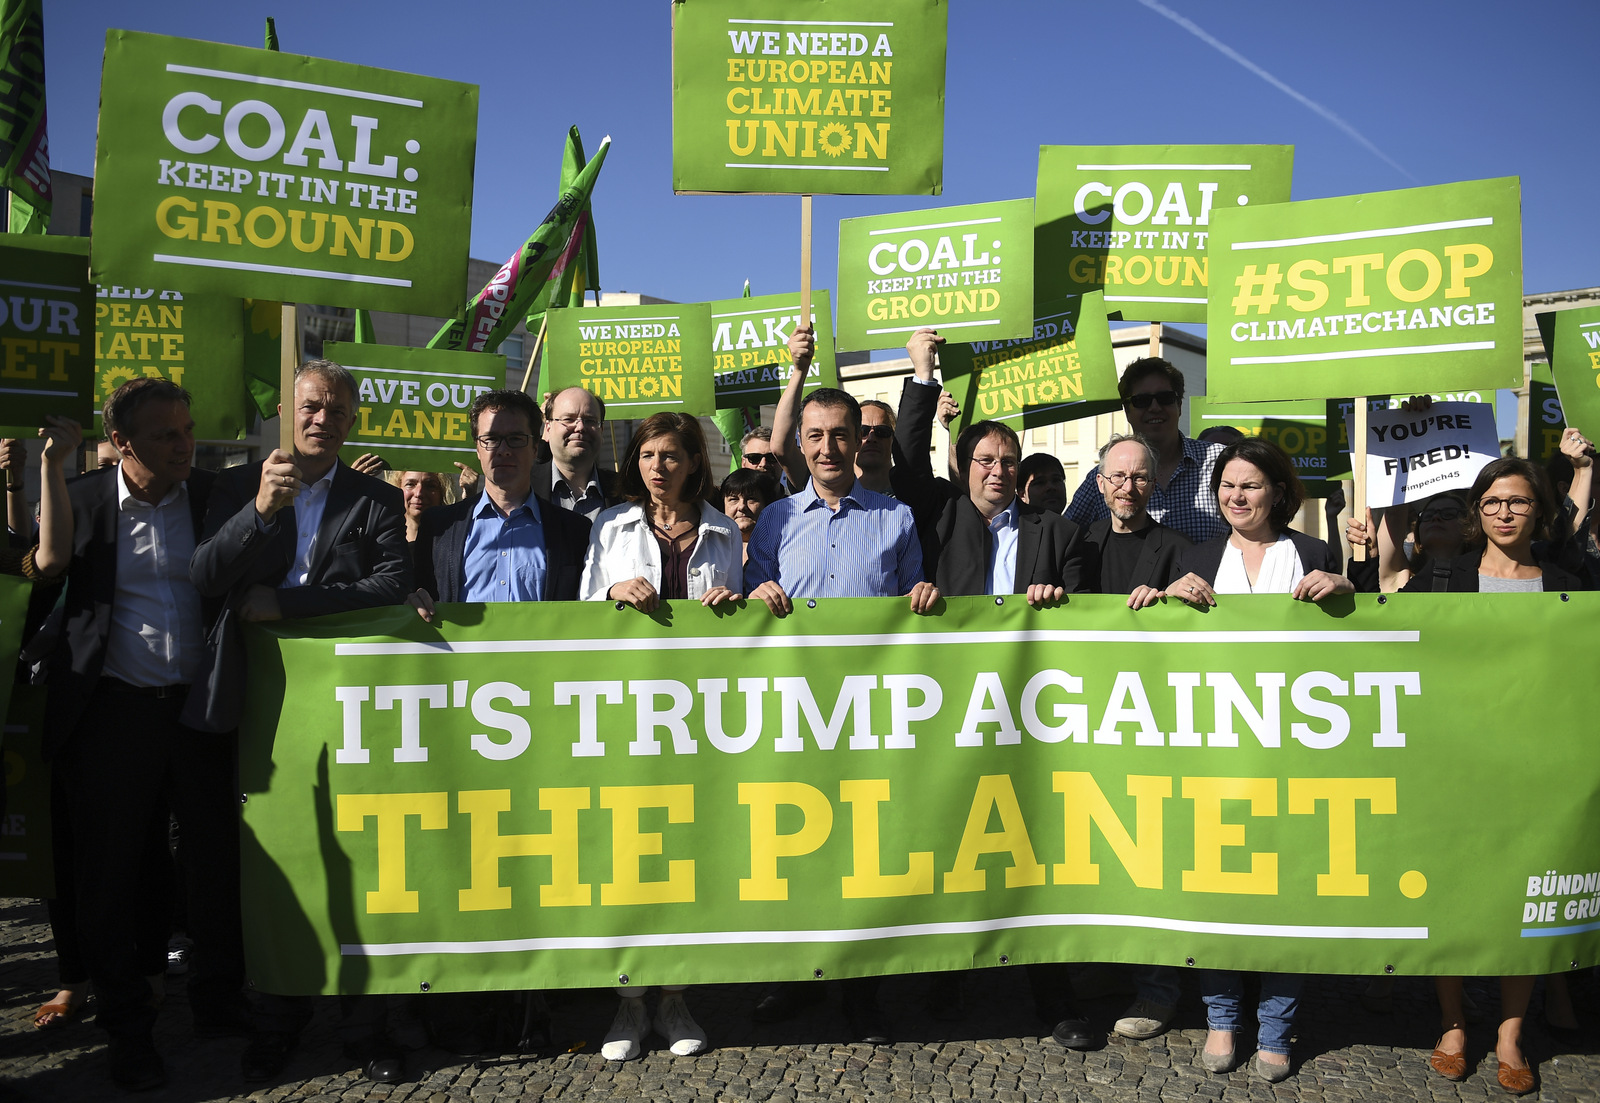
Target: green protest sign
<point>640,360</point>
<point>955,268</point>
<point>1135,220</point>
<point>750,347</point>
<point>1299,428</point>
<point>825,97</point>
<point>46,328</point>
<point>25,852</point>
<point>1545,419</point>
<point>251,173</point>
<point>412,406</point>
<point>195,341</point>
<point>537,795</point>
<point>1415,290</point>
<point>1572,348</point>
<point>1063,371</point>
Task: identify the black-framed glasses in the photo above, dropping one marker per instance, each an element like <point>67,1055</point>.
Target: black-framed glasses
<point>1117,480</point>
<point>1519,507</point>
<point>989,463</point>
<point>1143,401</point>
<point>490,441</point>
<point>881,432</point>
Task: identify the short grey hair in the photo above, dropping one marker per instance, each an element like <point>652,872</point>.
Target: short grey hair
<point>330,373</point>
<point>1122,438</point>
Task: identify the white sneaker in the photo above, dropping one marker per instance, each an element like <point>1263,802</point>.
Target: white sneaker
<point>675,1024</point>
<point>627,1030</point>
<point>1144,1020</point>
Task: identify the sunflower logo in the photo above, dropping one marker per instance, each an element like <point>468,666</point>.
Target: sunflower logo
<point>114,378</point>
<point>649,386</point>
<point>834,139</point>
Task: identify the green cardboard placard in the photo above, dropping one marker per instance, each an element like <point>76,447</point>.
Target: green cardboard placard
<point>46,331</point>
<point>825,97</point>
<point>1135,221</point>
<point>966,271</point>
<point>640,360</point>
<point>1402,291</point>
<point>1545,419</point>
<point>195,341</point>
<point>1299,428</point>
<point>253,173</point>
<point>1063,371</point>
<point>750,347</point>
<point>413,404</point>
<point>1572,349</point>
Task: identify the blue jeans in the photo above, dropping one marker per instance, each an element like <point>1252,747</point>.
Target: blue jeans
<point>1160,984</point>
<point>1280,996</point>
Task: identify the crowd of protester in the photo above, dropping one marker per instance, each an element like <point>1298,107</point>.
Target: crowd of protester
<point>145,568</point>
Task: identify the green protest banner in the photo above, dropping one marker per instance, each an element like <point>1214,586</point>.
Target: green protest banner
<point>24,137</point>
<point>640,360</point>
<point>1299,428</point>
<point>1572,349</point>
<point>1545,419</point>
<point>825,97</point>
<point>252,173</point>
<point>46,322</point>
<point>1414,290</point>
<point>852,790</point>
<point>1135,220</point>
<point>14,594</point>
<point>1063,371</point>
<point>750,347</point>
<point>954,268</point>
<point>412,406</point>
<point>195,341</point>
<point>25,854</point>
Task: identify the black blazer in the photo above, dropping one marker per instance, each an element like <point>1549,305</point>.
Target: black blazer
<point>442,544</point>
<point>1205,559</point>
<point>1050,551</point>
<point>1463,576</point>
<point>91,582</point>
<point>358,560</point>
<point>542,479</point>
<point>912,478</point>
<point>1158,554</point>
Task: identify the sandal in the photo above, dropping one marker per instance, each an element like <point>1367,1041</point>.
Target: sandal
<point>57,1014</point>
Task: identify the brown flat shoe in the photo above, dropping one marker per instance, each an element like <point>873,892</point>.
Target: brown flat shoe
<point>1516,1081</point>
<point>1451,1066</point>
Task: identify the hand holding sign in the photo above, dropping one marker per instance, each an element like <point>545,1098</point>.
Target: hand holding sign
<point>1414,454</point>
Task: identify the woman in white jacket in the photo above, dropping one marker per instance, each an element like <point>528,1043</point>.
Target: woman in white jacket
<point>666,541</point>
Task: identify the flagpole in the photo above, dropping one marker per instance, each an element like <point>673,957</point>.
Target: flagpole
<point>288,361</point>
<point>1358,472</point>
<point>527,376</point>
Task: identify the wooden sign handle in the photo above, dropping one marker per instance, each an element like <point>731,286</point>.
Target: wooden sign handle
<point>1358,471</point>
<point>805,260</point>
<point>1155,339</point>
<point>288,361</point>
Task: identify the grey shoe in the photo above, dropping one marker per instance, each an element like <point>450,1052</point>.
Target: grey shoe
<point>1272,1074</point>
<point>1144,1019</point>
<point>1217,1062</point>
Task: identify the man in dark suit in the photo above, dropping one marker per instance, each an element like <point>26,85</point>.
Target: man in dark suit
<point>301,535</point>
<point>505,544</point>
<point>132,642</point>
<point>1138,555</point>
<point>572,477</point>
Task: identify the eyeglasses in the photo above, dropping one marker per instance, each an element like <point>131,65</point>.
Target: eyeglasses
<point>1142,401</point>
<point>570,422</point>
<point>881,432</point>
<point>490,441</point>
<point>1443,513</point>
<point>1519,507</point>
<point>989,463</point>
<point>759,459</point>
<point>1139,481</point>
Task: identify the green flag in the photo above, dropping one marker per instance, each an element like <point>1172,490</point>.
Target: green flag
<point>364,332</point>
<point>263,326</point>
<point>24,144</point>
<point>272,34</point>
<point>577,269</point>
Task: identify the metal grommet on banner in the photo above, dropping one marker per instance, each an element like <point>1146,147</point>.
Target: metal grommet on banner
<point>621,605</point>
<point>244,798</point>
<point>1574,964</point>
<point>1188,961</point>
<point>817,973</point>
<point>1005,959</point>
<point>1388,969</point>
<point>811,603</point>
<point>424,986</point>
<point>1564,597</point>
<point>622,979</point>
<point>1383,599</point>
<point>999,601</point>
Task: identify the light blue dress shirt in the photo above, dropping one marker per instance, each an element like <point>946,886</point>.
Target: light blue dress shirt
<point>1003,551</point>
<point>868,547</point>
<point>504,559</point>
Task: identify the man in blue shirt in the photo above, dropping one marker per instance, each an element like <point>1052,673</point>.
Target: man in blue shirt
<point>505,544</point>
<point>834,538</point>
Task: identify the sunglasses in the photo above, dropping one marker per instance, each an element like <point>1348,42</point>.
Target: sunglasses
<point>761,458</point>
<point>881,432</point>
<point>1143,401</point>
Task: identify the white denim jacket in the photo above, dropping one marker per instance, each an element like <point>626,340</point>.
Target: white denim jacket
<point>621,546</point>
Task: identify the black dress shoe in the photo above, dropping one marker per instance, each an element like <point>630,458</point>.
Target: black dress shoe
<point>266,1055</point>
<point>135,1064</point>
<point>385,1068</point>
<point>1073,1032</point>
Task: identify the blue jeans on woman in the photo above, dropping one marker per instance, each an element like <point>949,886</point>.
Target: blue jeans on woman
<point>1280,996</point>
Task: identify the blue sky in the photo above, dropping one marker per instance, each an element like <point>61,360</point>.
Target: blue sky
<point>1437,92</point>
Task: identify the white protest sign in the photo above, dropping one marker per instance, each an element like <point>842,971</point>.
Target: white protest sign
<point>1411,456</point>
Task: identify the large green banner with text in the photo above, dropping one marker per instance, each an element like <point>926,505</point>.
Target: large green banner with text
<point>640,360</point>
<point>46,331</point>
<point>533,796</point>
<point>1572,349</point>
<point>413,406</point>
<point>750,347</point>
<point>826,97</point>
<point>255,173</point>
<point>1401,291</point>
<point>1135,220</point>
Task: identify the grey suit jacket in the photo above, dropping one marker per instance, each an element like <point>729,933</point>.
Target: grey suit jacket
<point>359,560</point>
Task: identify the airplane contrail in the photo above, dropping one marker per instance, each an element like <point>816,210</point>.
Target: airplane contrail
<point>1228,51</point>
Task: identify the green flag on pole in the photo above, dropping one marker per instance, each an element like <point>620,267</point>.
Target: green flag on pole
<point>24,143</point>
<point>272,34</point>
<point>364,333</point>
<point>577,270</point>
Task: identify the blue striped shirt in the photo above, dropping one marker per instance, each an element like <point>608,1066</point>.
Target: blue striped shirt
<point>868,547</point>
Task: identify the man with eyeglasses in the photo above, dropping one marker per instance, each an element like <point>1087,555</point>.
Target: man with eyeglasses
<point>572,478</point>
<point>1138,555</point>
<point>506,544</point>
<point>1180,495</point>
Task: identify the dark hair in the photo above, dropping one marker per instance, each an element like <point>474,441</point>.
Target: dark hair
<point>330,373</point>
<point>1147,366</point>
<point>879,404</point>
<point>1275,464</point>
<point>834,398</point>
<point>974,435</point>
<point>1550,521</point>
<point>121,410</point>
<point>518,402</point>
<point>550,402</point>
<point>686,428</point>
<point>1037,464</point>
<point>750,483</point>
<point>1220,434</point>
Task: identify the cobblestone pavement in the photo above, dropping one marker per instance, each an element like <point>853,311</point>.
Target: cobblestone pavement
<point>996,1049</point>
